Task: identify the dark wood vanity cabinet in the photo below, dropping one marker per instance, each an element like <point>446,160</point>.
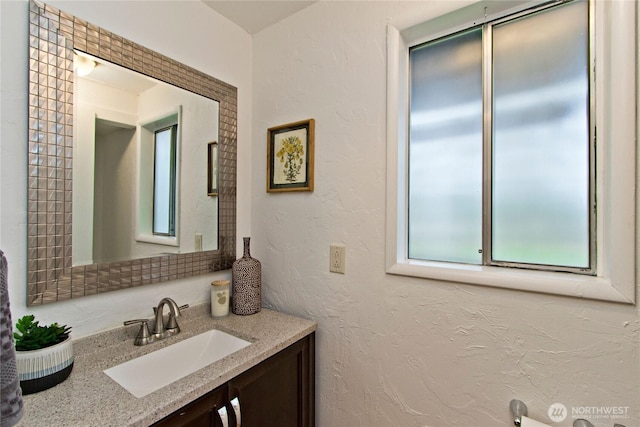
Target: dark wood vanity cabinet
<point>202,412</point>
<point>278,392</point>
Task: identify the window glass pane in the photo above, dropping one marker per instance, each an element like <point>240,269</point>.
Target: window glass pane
<point>164,183</point>
<point>445,150</point>
<point>540,205</point>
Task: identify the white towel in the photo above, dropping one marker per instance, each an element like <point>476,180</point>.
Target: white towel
<point>11,406</point>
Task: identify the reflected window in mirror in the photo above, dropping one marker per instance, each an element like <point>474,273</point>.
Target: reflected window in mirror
<point>157,209</point>
<point>164,181</point>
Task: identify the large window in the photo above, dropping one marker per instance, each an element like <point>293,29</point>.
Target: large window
<point>500,143</point>
<point>511,148</point>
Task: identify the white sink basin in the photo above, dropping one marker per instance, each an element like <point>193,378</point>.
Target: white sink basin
<point>151,372</point>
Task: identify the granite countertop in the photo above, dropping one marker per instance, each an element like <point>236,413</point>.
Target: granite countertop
<point>90,398</point>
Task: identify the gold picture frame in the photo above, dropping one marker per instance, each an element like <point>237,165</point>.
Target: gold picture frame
<point>290,150</point>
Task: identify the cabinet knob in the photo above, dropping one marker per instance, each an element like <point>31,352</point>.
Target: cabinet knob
<point>235,404</point>
<point>222,412</point>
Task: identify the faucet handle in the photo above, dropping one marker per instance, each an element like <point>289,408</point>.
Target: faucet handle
<point>134,321</point>
<point>144,336</point>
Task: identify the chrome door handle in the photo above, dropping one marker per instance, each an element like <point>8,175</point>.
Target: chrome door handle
<point>222,412</point>
<point>235,404</point>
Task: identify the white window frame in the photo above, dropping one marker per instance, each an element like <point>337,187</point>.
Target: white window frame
<point>144,186</point>
<point>173,192</point>
<point>615,87</point>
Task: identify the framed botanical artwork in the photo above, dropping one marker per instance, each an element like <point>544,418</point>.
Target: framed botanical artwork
<point>290,157</point>
<point>212,169</point>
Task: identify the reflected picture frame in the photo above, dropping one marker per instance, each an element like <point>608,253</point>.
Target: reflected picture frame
<point>212,169</point>
<point>290,151</point>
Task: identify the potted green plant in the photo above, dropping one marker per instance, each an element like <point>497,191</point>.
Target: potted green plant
<point>44,354</point>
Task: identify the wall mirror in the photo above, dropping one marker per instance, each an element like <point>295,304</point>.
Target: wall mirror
<point>97,218</point>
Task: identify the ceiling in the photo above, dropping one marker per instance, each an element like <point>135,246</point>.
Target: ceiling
<point>253,15</point>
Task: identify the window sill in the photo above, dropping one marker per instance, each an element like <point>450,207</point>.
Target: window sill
<point>158,240</point>
<point>568,284</point>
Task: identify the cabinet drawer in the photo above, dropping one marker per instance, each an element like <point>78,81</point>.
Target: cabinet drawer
<point>199,413</point>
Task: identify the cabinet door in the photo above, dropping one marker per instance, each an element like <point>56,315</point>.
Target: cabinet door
<point>202,412</point>
<point>279,392</point>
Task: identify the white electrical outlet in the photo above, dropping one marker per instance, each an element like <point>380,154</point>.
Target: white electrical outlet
<point>337,258</point>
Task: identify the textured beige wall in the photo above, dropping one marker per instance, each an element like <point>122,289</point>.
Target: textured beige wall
<point>394,350</point>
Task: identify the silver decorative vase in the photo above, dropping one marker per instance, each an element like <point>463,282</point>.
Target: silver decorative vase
<point>246,283</point>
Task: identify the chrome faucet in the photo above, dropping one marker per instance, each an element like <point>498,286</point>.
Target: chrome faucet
<point>171,328</point>
<point>160,330</point>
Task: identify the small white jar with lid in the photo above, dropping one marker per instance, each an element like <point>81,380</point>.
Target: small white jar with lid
<point>219,298</point>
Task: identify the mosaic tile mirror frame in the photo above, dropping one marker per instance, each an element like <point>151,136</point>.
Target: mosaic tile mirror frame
<point>51,277</point>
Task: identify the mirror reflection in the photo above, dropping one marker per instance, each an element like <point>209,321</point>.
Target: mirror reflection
<point>133,196</point>
<point>168,208</point>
